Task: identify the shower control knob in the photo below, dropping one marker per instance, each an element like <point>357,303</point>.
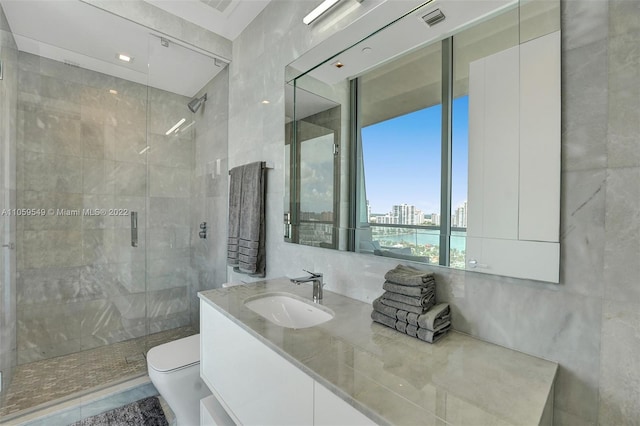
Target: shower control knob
<point>203,225</point>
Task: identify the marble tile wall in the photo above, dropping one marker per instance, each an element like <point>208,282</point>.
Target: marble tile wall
<point>80,282</point>
<point>589,322</point>
<point>8,102</point>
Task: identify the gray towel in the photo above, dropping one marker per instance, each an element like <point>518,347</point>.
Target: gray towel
<point>409,290</point>
<point>401,315</point>
<point>426,301</point>
<point>427,335</point>
<point>403,306</point>
<point>384,309</point>
<point>235,196</point>
<point>251,245</point>
<point>431,336</point>
<point>383,319</point>
<point>432,319</point>
<point>406,275</point>
<point>401,326</point>
<point>413,331</point>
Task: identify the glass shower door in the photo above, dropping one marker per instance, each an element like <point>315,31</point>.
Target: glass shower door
<point>177,106</point>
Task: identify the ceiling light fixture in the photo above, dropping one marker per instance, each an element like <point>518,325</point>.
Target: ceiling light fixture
<point>113,92</point>
<point>175,126</point>
<point>144,150</point>
<point>124,58</point>
<point>338,64</point>
<point>322,8</point>
<point>265,102</point>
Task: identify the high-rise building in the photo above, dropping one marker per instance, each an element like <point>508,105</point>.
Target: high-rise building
<point>459,217</point>
<point>407,214</point>
<point>388,219</point>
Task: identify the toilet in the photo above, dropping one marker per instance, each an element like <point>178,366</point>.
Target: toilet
<point>174,369</point>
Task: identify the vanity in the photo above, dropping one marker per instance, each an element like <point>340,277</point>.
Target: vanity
<point>349,370</point>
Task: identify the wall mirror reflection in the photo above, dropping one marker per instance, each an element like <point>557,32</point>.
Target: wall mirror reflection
<point>445,127</point>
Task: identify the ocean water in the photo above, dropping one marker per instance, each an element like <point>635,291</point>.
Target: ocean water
<point>458,239</point>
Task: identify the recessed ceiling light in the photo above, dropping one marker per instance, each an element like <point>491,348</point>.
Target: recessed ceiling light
<point>124,58</point>
<point>113,92</point>
<point>338,64</point>
<point>266,102</point>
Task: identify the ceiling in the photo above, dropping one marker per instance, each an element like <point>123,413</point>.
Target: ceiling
<point>79,34</point>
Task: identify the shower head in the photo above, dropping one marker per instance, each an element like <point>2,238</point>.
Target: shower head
<point>196,103</point>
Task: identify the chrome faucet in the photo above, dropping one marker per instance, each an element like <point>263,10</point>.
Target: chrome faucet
<point>316,278</point>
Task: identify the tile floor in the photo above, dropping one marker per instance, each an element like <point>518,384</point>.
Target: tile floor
<point>49,380</point>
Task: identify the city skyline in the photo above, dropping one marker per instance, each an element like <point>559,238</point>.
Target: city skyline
<point>407,214</point>
<point>412,174</point>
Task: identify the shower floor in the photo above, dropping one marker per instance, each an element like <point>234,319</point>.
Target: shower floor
<point>50,380</point>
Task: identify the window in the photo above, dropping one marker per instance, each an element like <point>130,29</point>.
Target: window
<point>400,133</point>
<point>412,194</point>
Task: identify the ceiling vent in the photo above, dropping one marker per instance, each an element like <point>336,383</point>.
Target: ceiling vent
<point>433,17</point>
<point>219,5</point>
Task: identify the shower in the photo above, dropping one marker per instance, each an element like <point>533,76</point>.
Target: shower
<point>74,290</point>
<point>196,103</point>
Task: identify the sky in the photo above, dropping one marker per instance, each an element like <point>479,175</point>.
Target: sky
<point>402,159</point>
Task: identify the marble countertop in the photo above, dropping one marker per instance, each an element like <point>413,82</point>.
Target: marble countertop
<point>394,378</point>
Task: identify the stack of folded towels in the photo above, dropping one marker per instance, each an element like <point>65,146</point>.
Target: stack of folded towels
<point>409,304</point>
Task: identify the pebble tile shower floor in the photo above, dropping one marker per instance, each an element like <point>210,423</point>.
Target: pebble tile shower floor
<point>46,381</point>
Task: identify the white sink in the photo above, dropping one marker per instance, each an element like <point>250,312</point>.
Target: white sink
<point>288,310</point>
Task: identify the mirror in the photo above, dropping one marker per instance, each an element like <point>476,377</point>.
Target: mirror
<point>424,141</point>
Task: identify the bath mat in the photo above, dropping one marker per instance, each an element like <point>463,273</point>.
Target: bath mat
<point>146,412</point>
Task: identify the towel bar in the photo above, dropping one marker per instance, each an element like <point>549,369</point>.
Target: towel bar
<point>265,165</point>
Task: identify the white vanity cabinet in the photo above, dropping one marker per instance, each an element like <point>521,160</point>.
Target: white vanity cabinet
<point>348,371</point>
<point>252,382</point>
<point>257,386</point>
<point>514,161</point>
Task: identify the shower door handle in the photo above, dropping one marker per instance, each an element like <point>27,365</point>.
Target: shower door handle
<point>134,229</point>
